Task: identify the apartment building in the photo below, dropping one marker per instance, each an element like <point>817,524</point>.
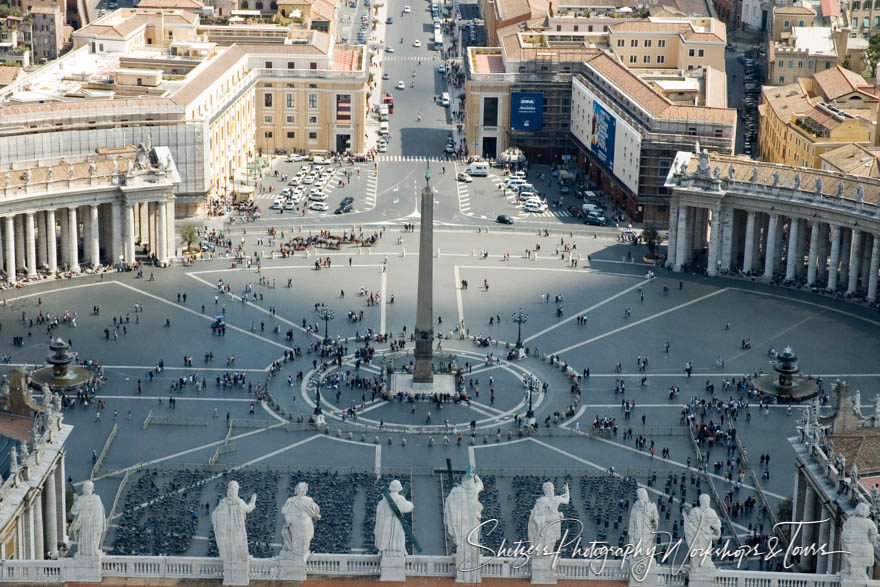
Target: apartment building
<point>800,121</point>
<point>48,32</point>
<point>16,40</point>
<point>653,43</point>
<point>788,16</point>
<point>804,52</point>
<point>852,159</point>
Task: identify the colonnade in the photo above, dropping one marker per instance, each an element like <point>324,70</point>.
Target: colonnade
<point>820,525</point>
<point>43,523</point>
<point>64,238</point>
<point>771,244</point>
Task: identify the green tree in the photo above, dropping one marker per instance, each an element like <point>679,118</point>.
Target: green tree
<point>188,235</point>
<point>873,53</point>
<point>651,238</point>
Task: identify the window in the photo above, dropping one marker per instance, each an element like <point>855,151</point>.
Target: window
<point>291,65</point>
<point>692,131</point>
<point>877,21</point>
<point>781,79</point>
<point>291,119</point>
<point>647,42</point>
<point>865,22</point>
<point>291,100</point>
<point>313,65</point>
<point>490,111</point>
<point>646,59</point>
<point>800,23</point>
<point>140,81</point>
<point>291,134</point>
<point>558,28</point>
<point>575,28</point>
<point>857,5</point>
<point>267,100</point>
<point>268,65</point>
<point>267,119</point>
<point>700,53</point>
<point>810,64</point>
<point>590,29</point>
<point>786,24</point>
<point>633,42</point>
<point>313,101</point>
<point>268,134</point>
<point>633,59</point>
<point>343,108</point>
<point>661,59</point>
<point>313,119</point>
<point>661,43</point>
<point>780,64</point>
<point>800,64</point>
<point>690,52</point>
<point>620,42</point>
<point>827,64</point>
<point>313,136</point>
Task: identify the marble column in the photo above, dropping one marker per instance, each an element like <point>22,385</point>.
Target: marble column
<point>770,253</point>
<point>809,533</point>
<point>37,505</point>
<point>30,531</point>
<point>824,251</point>
<point>726,237</point>
<point>845,248</point>
<point>72,234</point>
<point>865,259</point>
<point>169,228</point>
<point>161,225</point>
<point>144,226</point>
<point>50,518</point>
<point>835,257</point>
<point>10,248</point>
<point>30,243</point>
<point>64,237</point>
<point>855,259</point>
<point>791,256</point>
<point>41,239</point>
<point>681,239</point>
<point>152,227</point>
<point>714,243</point>
<point>86,234</point>
<point>51,249</point>
<point>94,244</point>
<point>673,235</point>
<point>749,247</point>
<point>128,230</point>
<point>814,251</point>
<point>19,241</point>
<point>115,231</point>
<point>61,499</point>
<point>872,271</point>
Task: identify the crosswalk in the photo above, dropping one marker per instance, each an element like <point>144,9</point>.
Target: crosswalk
<point>464,198</point>
<point>410,58</point>
<point>511,199</point>
<point>407,158</point>
<point>370,194</point>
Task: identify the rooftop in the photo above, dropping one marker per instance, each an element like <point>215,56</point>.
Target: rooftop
<point>704,30</point>
<point>839,81</point>
<point>800,8</point>
<point>191,4</point>
<point>853,159</point>
<point>813,40</point>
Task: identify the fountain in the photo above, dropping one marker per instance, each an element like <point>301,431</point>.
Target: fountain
<point>61,375</point>
<point>788,383</point>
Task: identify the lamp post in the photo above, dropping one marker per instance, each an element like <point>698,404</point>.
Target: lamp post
<point>520,318</point>
<point>318,400</point>
<point>530,414</point>
<point>326,314</point>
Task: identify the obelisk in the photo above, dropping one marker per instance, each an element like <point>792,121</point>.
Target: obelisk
<point>423,370</point>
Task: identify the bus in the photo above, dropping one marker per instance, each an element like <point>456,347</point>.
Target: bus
<point>389,101</point>
<point>438,41</point>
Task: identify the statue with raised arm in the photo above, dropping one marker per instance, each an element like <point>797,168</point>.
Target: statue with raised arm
<point>228,522</point>
<point>300,513</point>
<point>702,527</point>
<point>545,521</point>
<point>89,521</point>
<point>643,522</point>
<point>462,515</point>
<point>388,533</point>
<point>857,543</point>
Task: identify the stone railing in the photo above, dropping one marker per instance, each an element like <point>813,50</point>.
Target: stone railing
<point>735,578</point>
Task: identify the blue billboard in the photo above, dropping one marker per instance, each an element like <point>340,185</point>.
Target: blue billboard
<point>602,135</point>
<point>525,110</point>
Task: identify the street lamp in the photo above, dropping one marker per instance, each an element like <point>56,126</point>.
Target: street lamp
<point>530,414</point>
<point>520,318</point>
<point>326,314</point>
<point>318,400</point>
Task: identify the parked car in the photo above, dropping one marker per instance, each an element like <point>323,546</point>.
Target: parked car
<point>462,176</point>
<point>318,206</point>
<point>504,219</point>
<point>593,220</point>
<point>383,146</point>
<point>343,209</point>
<point>400,85</point>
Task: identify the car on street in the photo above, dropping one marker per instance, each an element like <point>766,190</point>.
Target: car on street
<point>309,179</point>
<point>386,75</point>
<point>504,219</point>
<point>388,20</point>
<point>319,206</point>
<point>594,220</point>
<point>294,157</point>
<point>564,189</point>
<point>407,9</point>
<point>450,148</point>
<point>462,176</point>
<point>417,43</point>
<point>317,197</point>
<point>534,207</point>
<point>278,203</point>
<point>297,179</point>
<point>441,70</point>
<point>401,85</point>
<point>320,161</point>
<point>290,204</point>
<point>343,209</point>
<point>389,49</point>
<point>383,146</point>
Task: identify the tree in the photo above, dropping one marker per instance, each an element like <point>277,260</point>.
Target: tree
<point>188,235</point>
<point>651,238</point>
<point>873,53</point>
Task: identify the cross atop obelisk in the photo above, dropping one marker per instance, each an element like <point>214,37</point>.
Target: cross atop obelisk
<point>423,370</point>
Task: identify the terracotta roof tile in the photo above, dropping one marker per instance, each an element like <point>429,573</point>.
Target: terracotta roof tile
<point>838,81</point>
<point>192,4</point>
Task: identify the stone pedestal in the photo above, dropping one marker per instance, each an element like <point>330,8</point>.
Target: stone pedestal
<point>701,578</point>
<point>292,569</point>
<point>443,385</point>
<point>236,572</point>
<point>84,569</point>
<point>392,568</point>
<point>543,572</point>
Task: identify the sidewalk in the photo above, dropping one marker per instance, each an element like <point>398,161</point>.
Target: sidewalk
<point>376,51</point>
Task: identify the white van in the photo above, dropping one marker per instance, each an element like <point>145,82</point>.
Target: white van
<point>478,169</point>
<point>514,183</point>
<point>444,99</point>
<point>593,208</point>
<point>383,128</point>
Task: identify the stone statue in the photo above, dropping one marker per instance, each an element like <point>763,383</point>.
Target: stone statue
<point>300,513</point>
<point>875,495</point>
<point>545,527</point>
<point>853,473</point>
<point>776,178</point>
<point>703,163</point>
<point>819,185</point>
<point>48,175</point>
<point>7,180</point>
<point>70,172</point>
<point>228,521</point>
<point>857,403</point>
<point>716,173</point>
<point>462,513</point>
<point>702,526</point>
<point>25,454</point>
<point>88,521</point>
<point>857,543</point>
<point>93,168</point>
<point>14,467</point>
<point>643,522</point>
<point>388,533</point>
<point>877,411</point>
<point>754,175</point>
<point>860,193</point>
<point>731,172</point>
<point>797,181</point>
<point>115,167</point>
<point>840,463</point>
<point>47,396</point>
<point>26,177</point>
<point>141,157</point>
<point>839,189</point>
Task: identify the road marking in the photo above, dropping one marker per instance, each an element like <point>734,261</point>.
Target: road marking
<point>458,300</point>
<point>382,307</point>
<point>638,322</point>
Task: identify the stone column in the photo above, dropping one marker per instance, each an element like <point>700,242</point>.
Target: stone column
<point>681,238</point>
<point>673,235</point>
<point>814,251</point>
<point>791,256</point>
<point>808,532</point>
<point>169,228</point>
<point>10,248</point>
<point>726,237</point>
<point>845,248</point>
<point>64,237</point>
<point>30,532</point>
<point>19,241</point>
<point>865,259</point>
<point>824,535</point>
<point>51,244</point>
<point>855,253</point>
<point>30,242</point>
<point>749,247</point>
<point>37,505</point>
<point>835,257</point>
<point>61,499</point>
<point>144,226</point>
<point>50,519</point>
<point>72,233</point>
<point>94,244</point>
<point>41,239</point>
<point>714,243</point>
<point>824,251</point>
<point>128,229</point>
<point>161,237</point>
<point>770,254</point>
<point>116,231</point>
<point>152,227</point>
<point>872,271</point>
